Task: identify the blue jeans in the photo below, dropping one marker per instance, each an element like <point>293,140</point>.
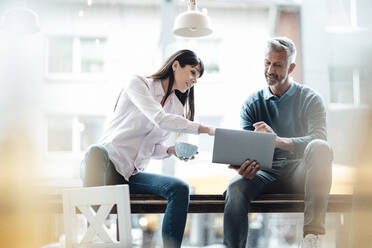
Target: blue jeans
<point>98,170</point>
<point>311,176</point>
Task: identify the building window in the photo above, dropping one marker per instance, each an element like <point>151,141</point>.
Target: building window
<point>60,55</point>
<point>339,12</point>
<point>76,55</point>
<point>209,50</point>
<point>365,87</point>
<point>91,129</point>
<point>348,85</point>
<point>341,85</point>
<point>342,16</point>
<point>59,134</point>
<point>73,133</point>
<point>206,141</point>
<point>92,55</point>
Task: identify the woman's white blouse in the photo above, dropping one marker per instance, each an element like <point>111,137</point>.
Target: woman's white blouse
<point>140,125</point>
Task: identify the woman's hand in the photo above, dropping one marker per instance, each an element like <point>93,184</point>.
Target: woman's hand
<point>212,131</point>
<point>172,151</point>
<point>209,130</point>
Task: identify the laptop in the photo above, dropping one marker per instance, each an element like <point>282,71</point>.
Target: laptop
<point>236,146</point>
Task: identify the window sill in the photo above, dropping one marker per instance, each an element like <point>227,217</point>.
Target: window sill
<point>74,77</point>
<point>344,106</point>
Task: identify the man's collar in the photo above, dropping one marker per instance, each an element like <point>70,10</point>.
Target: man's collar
<point>267,93</point>
<point>290,91</point>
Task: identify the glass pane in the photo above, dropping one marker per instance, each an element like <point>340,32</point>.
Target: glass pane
<point>339,12</point>
<point>59,134</point>
<point>91,129</point>
<point>206,141</point>
<point>60,55</point>
<point>365,87</point>
<point>341,84</point>
<point>92,54</point>
<point>208,50</point>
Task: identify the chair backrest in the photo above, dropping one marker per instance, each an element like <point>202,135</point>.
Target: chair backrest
<point>85,201</point>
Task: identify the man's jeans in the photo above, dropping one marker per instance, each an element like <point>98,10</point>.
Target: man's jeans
<point>98,170</point>
<point>311,175</point>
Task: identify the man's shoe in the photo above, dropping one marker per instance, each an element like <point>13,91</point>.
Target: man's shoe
<point>310,241</point>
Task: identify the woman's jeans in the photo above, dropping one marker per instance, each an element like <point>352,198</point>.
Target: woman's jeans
<point>98,170</point>
<point>311,176</point>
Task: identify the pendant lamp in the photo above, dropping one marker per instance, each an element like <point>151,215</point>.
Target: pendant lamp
<point>20,20</point>
<point>192,23</point>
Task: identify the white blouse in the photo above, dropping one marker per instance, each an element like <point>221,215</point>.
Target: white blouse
<point>140,125</point>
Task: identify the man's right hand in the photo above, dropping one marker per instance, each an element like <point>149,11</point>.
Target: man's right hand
<point>248,169</point>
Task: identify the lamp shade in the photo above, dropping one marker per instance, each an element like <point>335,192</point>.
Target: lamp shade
<point>20,20</point>
<point>192,23</point>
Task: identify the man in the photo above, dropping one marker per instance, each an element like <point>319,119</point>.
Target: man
<point>302,160</point>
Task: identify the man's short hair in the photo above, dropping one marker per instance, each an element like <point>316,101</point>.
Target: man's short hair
<point>283,44</point>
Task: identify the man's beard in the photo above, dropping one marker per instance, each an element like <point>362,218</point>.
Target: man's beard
<point>270,77</point>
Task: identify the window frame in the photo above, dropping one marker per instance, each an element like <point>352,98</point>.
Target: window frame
<point>356,83</point>
<point>75,129</point>
<point>76,74</point>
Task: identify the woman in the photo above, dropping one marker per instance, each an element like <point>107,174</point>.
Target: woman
<point>147,110</point>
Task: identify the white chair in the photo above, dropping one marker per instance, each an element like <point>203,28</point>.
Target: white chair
<point>106,197</point>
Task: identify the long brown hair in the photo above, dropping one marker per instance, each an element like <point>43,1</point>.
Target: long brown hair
<point>184,57</point>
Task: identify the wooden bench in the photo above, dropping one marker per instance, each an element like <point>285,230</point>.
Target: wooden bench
<point>267,203</point>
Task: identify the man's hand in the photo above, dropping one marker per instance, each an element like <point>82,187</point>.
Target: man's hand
<point>282,143</point>
<point>248,169</point>
<point>262,127</point>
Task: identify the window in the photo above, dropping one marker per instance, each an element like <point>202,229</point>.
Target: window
<point>365,87</point>
<point>341,85</point>
<point>60,55</point>
<point>348,85</point>
<point>91,129</point>
<point>206,141</point>
<point>92,55</point>
<point>73,133</point>
<point>59,134</point>
<point>339,12</point>
<point>76,55</point>
<point>342,16</point>
<point>208,50</point>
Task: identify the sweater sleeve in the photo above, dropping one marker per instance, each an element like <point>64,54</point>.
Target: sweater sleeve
<point>315,116</point>
<point>247,117</point>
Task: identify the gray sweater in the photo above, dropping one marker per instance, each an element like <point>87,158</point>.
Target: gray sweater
<point>298,114</point>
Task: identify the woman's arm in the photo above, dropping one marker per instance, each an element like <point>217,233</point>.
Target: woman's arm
<point>139,93</point>
<point>204,129</point>
<point>160,152</point>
